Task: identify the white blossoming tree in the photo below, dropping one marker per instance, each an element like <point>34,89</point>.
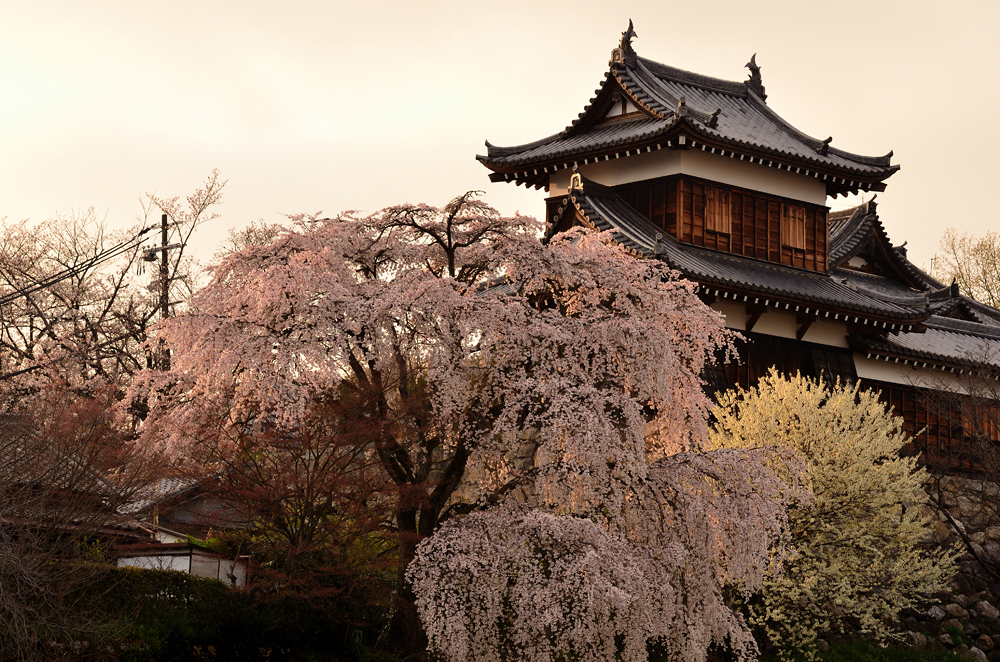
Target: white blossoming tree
<point>860,552</point>
<point>537,407</point>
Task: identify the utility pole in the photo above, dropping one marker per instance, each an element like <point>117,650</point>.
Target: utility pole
<point>162,358</point>
<point>164,275</point>
<point>164,290</point>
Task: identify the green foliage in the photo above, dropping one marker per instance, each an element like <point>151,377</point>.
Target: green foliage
<point>863,651</point>
<point>859,545</point>
<point>173,615</point>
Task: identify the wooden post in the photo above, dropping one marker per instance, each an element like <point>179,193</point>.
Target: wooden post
<point>164,290</point>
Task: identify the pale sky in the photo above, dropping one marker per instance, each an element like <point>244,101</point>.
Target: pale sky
<point>328,106</point>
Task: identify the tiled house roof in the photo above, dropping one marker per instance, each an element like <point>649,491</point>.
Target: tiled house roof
<point>925,324</point>
<point>841,292</point>
<point>716,231</point>
<point>676,108</point>
<point>946,343</point>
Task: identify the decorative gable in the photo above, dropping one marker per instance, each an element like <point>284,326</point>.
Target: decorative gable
<point>621,106</point>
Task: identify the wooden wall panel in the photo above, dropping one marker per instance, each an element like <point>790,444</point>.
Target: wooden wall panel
<point>670,217</point>
<point>947,439</point>
<point>934,423</point>
<point>677,204</point>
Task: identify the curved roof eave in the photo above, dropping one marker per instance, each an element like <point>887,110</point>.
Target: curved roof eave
<point>598,207</point>
<point>646,83</point>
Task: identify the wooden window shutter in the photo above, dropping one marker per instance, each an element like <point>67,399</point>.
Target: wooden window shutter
<point>793,227</point>
<point>717,216</point>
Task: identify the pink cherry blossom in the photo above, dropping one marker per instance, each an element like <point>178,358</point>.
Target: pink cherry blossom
<point>554,387</point>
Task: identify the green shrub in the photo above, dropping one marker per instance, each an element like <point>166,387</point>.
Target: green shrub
<point>177,616</point>
<point>862,651</point>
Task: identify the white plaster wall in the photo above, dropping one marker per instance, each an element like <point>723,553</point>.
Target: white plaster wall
<point>907,375</point>
<point>659,163</point>
<point>617,108</point>
<point>169,536</point>
<point>857,261</point>
<point>775,323</point>
<point>234,573</point>
<point>735,313</point>
<point>781,324</point>
<point>827,333</point>
<point>161,562</point>
<point>558,183</point>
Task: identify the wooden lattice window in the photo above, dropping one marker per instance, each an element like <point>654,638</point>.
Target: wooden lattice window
<point>793,227</point>
<point>981,422</point>
<point>717,217</point>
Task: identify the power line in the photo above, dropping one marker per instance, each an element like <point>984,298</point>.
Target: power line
<point>69,272</point>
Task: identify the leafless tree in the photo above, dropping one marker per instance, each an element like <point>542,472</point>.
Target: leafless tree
<point>64,470</point>
<point>972,262</point>
<point>79,300</point>
<point>966,490</point>
<point>75,313</point>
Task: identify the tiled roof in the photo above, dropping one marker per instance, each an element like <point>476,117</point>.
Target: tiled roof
<point>946,342</point>
<point>618,134</point>
<point>840,290</point>
<point>720,112</point>
<point>950,343</point>
<point>851,230</point>
<point>848,231</point>
<point>745,118</point>
<point>159,491</point>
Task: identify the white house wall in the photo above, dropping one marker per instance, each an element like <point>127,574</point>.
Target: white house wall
<point>782,324</point>
<point>827,333</point>
<point>158,562</point>
<point>735,313</point>
<point>907,375</point>
<point>832,334</point>
<point>694,162</point>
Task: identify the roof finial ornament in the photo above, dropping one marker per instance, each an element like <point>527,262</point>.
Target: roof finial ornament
<point>824,147</point>
<point>871,205</point>
<point>624,53</point>
<point>755,84</point>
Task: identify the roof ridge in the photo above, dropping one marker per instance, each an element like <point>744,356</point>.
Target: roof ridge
<point>847,212</point>
<point>846,238</point>
<point>952,324</point>
<point>671,103</point>
<point>689,77</point>
<point>661,96</point>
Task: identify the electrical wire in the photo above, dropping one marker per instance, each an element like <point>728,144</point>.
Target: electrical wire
<point>104,256</point>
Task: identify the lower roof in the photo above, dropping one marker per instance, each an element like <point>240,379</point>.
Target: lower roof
<point>837,293</point>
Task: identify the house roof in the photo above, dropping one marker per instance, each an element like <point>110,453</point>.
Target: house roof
<point>859,228</point>
<point>158,492</point>
<point>841,293</point>
<point>947,343</point>
<point>681,109</point>
<point>926,323</point>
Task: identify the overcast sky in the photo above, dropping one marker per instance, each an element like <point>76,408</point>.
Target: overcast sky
<point>309,106</point>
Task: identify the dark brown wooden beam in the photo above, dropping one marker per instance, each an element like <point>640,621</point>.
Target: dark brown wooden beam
<point>754,312</point>
<point>804,321</point>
